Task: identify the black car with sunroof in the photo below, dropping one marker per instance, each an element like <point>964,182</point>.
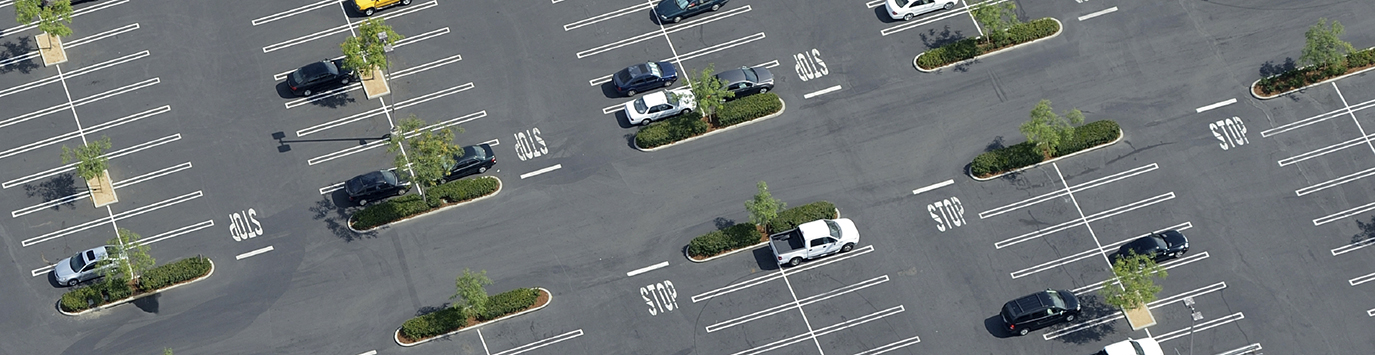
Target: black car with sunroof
<point>473,159</point>
<point>1160,246</point>
<point>1040,310</point>
<point>375,186</point>
<point>745,80</point>
<point>321,75</point>
<point>676,10</point>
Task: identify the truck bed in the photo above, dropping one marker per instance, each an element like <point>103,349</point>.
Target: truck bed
<point>787,242</point>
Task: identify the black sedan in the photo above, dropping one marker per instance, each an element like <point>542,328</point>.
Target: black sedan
<point>475,159</point>
<point>644,76</point>
<point>1160,246</point>
<point>375,186</point>
<point>676,10</point>
<point>746,80</point>
<point>318,76</point>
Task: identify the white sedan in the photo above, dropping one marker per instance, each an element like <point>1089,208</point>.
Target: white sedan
<point>659,105</point>
<point>907,9</point>
<point>1144,346</point>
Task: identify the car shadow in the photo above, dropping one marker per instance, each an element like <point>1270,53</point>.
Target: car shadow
<point>1091,308</point>
<point>336,216</point>
<point>284,91</point>
<point>52,280</point>
<point>881,12</point>
<point>996,328</point>
<point>764,258</point>
<point>62,185</point>
<point>18,47</point>
<point>623,120</point>
<point>609,90</point>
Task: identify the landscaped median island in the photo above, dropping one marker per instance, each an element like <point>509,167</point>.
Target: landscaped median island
<point>1326,57</point>
<point>692,124</point>
<point>436,197</point>
<point>748,235</point>
<point>970,48</point>
<point>115,290</point>
<point>996,162</point>
<point>474,309</point>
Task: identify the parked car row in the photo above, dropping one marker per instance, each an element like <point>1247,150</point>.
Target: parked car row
<point>664,104</point>
<point>382,184</point>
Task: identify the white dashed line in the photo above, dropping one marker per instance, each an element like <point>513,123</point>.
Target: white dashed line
<point>541,171</point>
<point>1216,105</point>
<point>252,253</point>
<point>1362,279</point>
<point>646,269</point>
<point>1200,327</point>
<point>822,92</point>
<point>1100,13</point>
<point>933,187</point>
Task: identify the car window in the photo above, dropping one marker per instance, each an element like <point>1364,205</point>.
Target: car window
<point>750,75</point>
<point>656,108</point>
<point>76,262</point>
<point>1056,299</point>
<point>682,4</point>
<point>654,70</point>
<point>818,242</point>
<point>640,105</point>
<point>88,267</point>
<point>830,240</point>
<point>733,87</point>
<point>834,227</point>
<point>673,98</point>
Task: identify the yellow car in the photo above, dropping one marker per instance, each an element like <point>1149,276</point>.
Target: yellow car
<point>367,7</point>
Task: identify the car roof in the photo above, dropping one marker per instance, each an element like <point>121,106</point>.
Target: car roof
<point>657,98</point>
<point>732,76</point>
<point>318,68</point>
<point>1029,303</point>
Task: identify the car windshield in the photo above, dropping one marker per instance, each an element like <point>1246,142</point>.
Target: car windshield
<point>1137,346</point>
<point>623,76</point>
<point>673,98</point>
<point>77,262</point>
<point>1055,298</point>
<point>682,4</point>
<point>750,75</point>
<point>389,177</point>
<point>835,228</point>
<point>654,69</point>
<point>474,152</point>
<point>640,105</point>
<point>296,77</point>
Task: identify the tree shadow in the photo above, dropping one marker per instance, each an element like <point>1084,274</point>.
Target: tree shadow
<point>933,39</point>
<point>334,101</point>
<point>15,49</point>
<point>1091,308</point>
<point>148,304</point>
<point>1270,69</point>
<point>336,218</point>
<point>996,144</point>
<point>722,222</point>
<point>1367,233</point>
<point>58,187</point>
<point>431,309</point>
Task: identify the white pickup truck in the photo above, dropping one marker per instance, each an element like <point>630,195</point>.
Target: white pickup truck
<point>813,240</point>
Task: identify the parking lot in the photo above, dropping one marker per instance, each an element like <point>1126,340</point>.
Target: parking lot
<point>212,155</point>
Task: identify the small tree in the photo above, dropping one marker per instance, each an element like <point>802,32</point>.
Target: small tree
<point>1323,47</point>
<point>129,257</point>
<point>367,52</point>
<point>166,351</point>
<point>471,292</point>
<point>995,18</point>
<point>52,18</point>
<point>1048,130</point>
<point>90,158</point>
<point>763,207</point>
<point>1135,273</point>
<point>431,151</point>
<point>710,92</point>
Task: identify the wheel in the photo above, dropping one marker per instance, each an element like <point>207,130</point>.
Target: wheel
<point>368,12</point>
<point>848,247</point>
<point>715,7</point>
<point>630,93</point>
<point>668,83</point>
<point>794,261</point>
<point>307,92</point>
<point>344,81</point>
<point>907,17</point>
<point>763,90</point>
<point>685,111</point>
<point>362,202</point>
<point>949,6</point>
<point>1069,318</point>
<point>73,282</point>
<point>481,169</point>
<point>405,2</point>
<point>677,18</point>
<point>1023,331</point>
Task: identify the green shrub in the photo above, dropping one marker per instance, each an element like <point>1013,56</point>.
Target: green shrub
<point>1025,154</point>
<point>1031,31</point>
<point>389,211</point>
<point>462,190</point>
<point>173,273</point>
<point>1090,135</point>
<point>748,108</point>
<point>113,289</point>
<point>435,323</point>
<point>970,47</point>
<point>956,51</point>
<point>79,299</point>
<point>671,130</point>
<point>719,241</point>
<point>509,302</point>
<point>790,218</point>
<point>1359,59</point>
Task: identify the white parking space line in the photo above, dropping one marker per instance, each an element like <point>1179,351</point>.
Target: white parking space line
<point>646,269</point>
<point>1243,350</point>
<point>401,43</point>
<point>71,167</point>
<point>1118,314</point>
<point>75,13</point>
<point>664,32</point>
<point>824,331</point>
<point>378,111</point>
<point>762,279</point>
<point>177,232</point>
<point>1343,215</point>
<point>607,16</point>
<point>1213,106</point>
<point>1370,312</point>
<point>891,346</point>
<point>343,28</point>
<point>1335,182</point>
<point>1076,188</point>
<point>1362,279</point>
<point>935,186</point>
<point>292,12</point>
<point>693,55</point>
<point>1088,253</point>
<point>803,302</point>
<point>542,343</point>
<point>89,130</point>
<point>541,171</point>
<point>116,185</point>
<point>1316,119</point>
<point>1200,327</point>
<point>370,352</point>
<point>1326,150</point>
<point>1087,219</point>
<point>1353,247</point>
<point>252,253</point>
<point>332,188</point>
<point>1100,13</point>
<point>798,304</point>
<point>379,143</point>
<point>874,3</point>
<point>1353,116</point>
<point>122,215</point>
<point>79,102</point>
<point>73,44</point>
<point>822,92</point>
<point>74,73</point>
<point>1082,290</point>
<point>494,142</point>
<point>612,109</point>
<point>924,22</point>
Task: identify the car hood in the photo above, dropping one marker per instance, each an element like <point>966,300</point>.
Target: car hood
<point>847,228</point>
<point>1071,301</point>
<point>62,271</point>
<point>1148,345</point>
<point>1175,239</point>
<point>669,8</point>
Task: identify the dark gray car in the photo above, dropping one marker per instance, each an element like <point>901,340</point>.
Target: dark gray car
<point>745,80</point>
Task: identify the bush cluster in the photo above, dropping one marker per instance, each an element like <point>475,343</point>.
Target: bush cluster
<point>790,218</point>
<point>409,205</point>
<point>1025,154</point>
<point>720,241</point>
<point>748,108</point>
<point>450,319</point>
<point>1299,77</point>
<point>154,279</point>
<point>971,47</point>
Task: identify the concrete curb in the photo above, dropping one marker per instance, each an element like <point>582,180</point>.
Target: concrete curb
<point>989,54</point>
<point>397,335</point>
<point>1252,89</point>
<point>752,247</point>
<point>349,222</point>
<point>135,298</point>
<point>1120,135</point>
<point>689,139</point>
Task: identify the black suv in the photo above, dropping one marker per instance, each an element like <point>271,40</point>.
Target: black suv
<point>1040,310</point>
<point>319,75</point>
<point>374,186</point>
<point>475,159</point>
